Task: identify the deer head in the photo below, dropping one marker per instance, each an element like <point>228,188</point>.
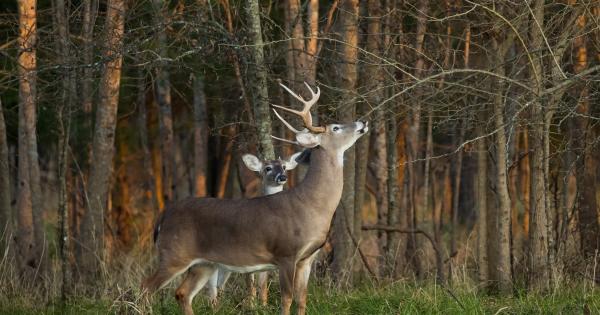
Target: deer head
<point>272,172</point>
<point>332,138</point>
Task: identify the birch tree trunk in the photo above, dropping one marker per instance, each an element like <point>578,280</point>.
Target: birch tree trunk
<point>344,221</point>
<point>259,89</point>
<point>104,140</point>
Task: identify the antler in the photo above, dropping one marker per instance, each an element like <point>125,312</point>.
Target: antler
<point>305,112</point>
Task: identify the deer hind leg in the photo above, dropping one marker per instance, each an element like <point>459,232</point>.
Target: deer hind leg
<point>193,282</point>
<point>263,286</point>
<point>167,270</point>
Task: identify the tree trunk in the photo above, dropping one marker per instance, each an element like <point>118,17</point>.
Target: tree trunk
<point>538,237</point>
<point>64,122</point>
<point>162,90</point>
<point>414,141</point>
<point>345,215</point>
<point>31,235</point>
<point>5,208</point>
<point>481,206</point>
<point>142,124</point>
<point>583,139</point>
<point>200,137</point>
<point>525,180</point>
<point>260,93</point>
<point>502,247</point>
<point>456,192</point>
<point>374,81</point>
<point>298,52</point>
<point>104,141</point>
<point>236,61</point>
<point>90,10</point>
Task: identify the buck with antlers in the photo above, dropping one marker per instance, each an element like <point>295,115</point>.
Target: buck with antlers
<point>282,231</point>
<point>273,178</point>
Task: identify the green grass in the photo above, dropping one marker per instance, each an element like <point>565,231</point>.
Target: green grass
<point>398,298</point>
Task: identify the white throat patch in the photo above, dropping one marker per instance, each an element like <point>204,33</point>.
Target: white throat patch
<point>269,190</point>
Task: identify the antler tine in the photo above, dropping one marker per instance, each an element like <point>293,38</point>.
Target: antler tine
<point>305,112</point>
<point>285,140</point>
<point>283,120</point>
<point>298,97</point>
<point>314,95</point>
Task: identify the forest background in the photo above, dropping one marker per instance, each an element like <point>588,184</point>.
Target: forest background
<point>480,173</point>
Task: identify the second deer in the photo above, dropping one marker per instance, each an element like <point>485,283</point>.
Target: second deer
<point>273,178</point>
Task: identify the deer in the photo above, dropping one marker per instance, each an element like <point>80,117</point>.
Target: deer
<point>273,178</point>
<point>282,231</point>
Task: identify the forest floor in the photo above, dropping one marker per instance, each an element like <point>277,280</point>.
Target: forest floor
<point>396,298</point>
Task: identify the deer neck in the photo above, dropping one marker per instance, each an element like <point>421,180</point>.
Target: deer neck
<point>323,183</point>
<point>269,189</point>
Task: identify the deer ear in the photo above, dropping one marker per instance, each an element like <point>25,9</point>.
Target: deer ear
<point>308,140</point>
<point>292,163</point>
<point>252,162</point>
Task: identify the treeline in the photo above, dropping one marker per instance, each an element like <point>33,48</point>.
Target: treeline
<point>482,162</point>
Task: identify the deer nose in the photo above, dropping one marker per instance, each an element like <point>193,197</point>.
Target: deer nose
<point>365,126</point>
<point>281,179</point>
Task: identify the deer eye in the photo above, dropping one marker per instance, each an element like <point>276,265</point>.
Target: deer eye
<point>268,168</point>
<point>336,128</point>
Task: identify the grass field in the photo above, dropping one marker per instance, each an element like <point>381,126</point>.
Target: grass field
<point>397,298</point>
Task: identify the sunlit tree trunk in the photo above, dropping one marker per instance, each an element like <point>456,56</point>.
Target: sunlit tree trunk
<point>30,238</point>
<point>345,215</point>
<point>225,161</point>
<point>583,138</point>
<point>142,125</point>
<point>162,91</point>
<point>260,93</point>
<point>200,137</point>
<point>104,140</point>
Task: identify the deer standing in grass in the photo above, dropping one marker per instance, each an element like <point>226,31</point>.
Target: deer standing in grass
<point>273,177</point>
<point>282,231</point>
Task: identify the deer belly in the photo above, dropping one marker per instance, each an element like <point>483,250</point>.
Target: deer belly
<point>247,269</point>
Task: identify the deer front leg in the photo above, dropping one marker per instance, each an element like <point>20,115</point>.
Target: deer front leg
<point>286,283</point>
<point>212,287</point>
<point>303,269</point>
<point>251,288</point>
